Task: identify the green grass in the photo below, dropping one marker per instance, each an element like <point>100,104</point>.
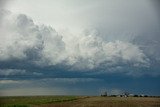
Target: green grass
<point>26,101</point>
<point>13,105</point>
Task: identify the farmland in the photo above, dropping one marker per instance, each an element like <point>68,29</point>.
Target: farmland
<point>78,101</point>
<point>25,101</point>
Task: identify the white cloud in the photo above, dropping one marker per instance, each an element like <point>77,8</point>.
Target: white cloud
<point>21,38</point>
<point>21,34</point>
<point>89,51</point>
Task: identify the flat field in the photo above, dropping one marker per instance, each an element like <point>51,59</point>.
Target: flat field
<point>78,101</point>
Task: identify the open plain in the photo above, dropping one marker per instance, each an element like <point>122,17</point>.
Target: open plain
<point>79,101</point>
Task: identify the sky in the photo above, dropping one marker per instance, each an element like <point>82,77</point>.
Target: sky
<point>85,47</point>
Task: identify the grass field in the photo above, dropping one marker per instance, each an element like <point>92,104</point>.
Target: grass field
<point>27,101</point>
<point>78,101</point>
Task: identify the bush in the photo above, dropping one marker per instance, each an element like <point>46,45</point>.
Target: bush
<point>135,96</point>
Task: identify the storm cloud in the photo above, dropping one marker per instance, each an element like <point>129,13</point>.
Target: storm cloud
<point>43,45</point>
<point>79,47</point>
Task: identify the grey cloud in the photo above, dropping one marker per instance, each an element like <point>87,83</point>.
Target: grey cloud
<point>18,73</point>
<point>11,82</point>
<point>7,72</point>
<point>51,80</point>
<point>3,3</point>
<point>92,51</point>
<point>24,39</point>
<point>42,45</point>
<point>72,80</point>
<point>51,85</point>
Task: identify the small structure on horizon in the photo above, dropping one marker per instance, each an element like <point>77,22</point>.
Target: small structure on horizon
<point>126,94</point>
<point>104,94</point>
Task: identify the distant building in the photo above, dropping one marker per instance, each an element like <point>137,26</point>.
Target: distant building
<point>104,94</point>
<point>131,95</point>
<point>142,95</point>
<point>125,94</point>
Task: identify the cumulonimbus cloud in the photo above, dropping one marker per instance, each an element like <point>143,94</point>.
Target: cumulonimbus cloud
<point>21,38</point>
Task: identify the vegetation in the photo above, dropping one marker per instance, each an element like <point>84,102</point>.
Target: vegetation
<point>77,101</point>
<point>26,101</point>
